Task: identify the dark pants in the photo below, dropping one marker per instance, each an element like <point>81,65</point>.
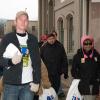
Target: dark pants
<point>36,97</point>
<point>55,81</point>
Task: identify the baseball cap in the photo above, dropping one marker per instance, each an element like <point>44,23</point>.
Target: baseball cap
<point>20,13</point>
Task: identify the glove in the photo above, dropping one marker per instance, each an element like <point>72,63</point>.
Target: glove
<point>16,59</point>
<point>34,87</point>
<point>65,76</point>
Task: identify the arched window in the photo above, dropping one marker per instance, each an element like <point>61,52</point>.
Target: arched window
<point>61,30</point>
<point>70,41</point>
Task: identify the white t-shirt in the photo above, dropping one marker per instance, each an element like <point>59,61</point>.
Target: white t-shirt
<point>27,68</point>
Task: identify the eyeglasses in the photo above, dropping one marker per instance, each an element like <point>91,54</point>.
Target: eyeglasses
<point>87,43</point>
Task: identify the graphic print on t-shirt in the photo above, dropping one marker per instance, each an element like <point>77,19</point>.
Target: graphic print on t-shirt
<point>25,53</point>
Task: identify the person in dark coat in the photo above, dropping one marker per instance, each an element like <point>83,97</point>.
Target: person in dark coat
<point>43,39</point>
<point>60,92</point>
<point>20,59</point>
<point>86,67</point>
<point>1,78</point>
<point>55,59</point>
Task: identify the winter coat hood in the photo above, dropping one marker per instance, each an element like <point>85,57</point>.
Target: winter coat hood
<point>87,37</point>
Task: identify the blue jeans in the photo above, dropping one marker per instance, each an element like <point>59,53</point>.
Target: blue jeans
<point>17,92</point>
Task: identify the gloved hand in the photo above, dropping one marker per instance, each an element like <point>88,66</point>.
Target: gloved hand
<point>65,76</point>
<point>16,59</point>
<point>34,87</point>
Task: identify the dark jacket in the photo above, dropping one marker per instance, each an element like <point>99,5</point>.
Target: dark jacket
<point>1,71</point>
<point>88,71</point>
<point>14,73</point>
<point>55,58</point>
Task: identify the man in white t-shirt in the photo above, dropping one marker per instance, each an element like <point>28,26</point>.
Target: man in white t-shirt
<point>22,68</point>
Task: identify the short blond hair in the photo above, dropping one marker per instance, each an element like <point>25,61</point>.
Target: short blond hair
<point>20,13</point>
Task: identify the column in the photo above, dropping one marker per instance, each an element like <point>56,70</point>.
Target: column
<point>84,16</point>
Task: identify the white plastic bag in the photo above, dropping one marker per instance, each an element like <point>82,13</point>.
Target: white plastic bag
<point>73,93</point>
<point>11,50</point>
<point>48,94</point>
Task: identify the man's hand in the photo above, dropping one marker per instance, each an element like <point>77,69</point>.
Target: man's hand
<point>16,59</point>
<point>34,87</point>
